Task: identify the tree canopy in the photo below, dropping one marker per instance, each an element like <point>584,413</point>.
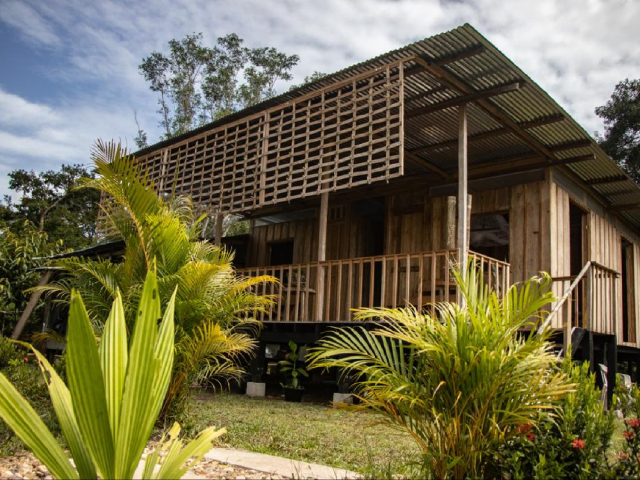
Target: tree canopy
<point>621,115</point>
<point>197,84</point>
<point>51,201</point>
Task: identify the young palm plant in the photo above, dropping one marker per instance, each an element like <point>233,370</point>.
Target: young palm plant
<point>213,305</point>
<point>458,379</point>
<point>114,397</point>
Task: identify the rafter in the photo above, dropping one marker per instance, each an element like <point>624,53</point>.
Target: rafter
<point>624,207</point>
<point>605,180</point>
<point>448,78</point>
<point>570,145</point>
<point>461,55</point>
<point>463,100</point>
<point>490,134</point>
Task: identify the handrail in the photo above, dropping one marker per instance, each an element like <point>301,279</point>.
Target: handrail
<point>390,280</point>
<point>566,295</point>
<point>576,281</point>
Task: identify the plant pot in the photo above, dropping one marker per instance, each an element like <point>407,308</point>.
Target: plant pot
<point>293,394</point>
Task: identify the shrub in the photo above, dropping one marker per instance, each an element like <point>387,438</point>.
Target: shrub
<point>459,379</point>
<point>569,442</point>
<point>628,401</point>
<point>28,380</point>
<point>114,397</point>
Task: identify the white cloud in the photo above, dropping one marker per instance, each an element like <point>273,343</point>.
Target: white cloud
<point>577,50</point>
<point>28,22</point>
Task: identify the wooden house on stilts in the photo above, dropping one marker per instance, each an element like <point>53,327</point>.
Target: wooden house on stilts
<point>361,188</point>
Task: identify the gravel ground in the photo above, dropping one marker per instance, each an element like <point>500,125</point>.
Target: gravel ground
<point>25,465</point>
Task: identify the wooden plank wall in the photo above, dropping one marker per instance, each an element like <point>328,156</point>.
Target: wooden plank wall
<point>348,237</point>
<point>604,237</point>
<point>417,223</point>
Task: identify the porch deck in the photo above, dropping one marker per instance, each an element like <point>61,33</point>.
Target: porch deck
<point>328,291</point>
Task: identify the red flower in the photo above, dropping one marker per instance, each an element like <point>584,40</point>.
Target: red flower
<point>629,434</point>
<point>25,359</point>
<point>633,423</point>
<point>579,444</point>
<point>531,436</point>
<point>623,456</point>
<point>524,429</point>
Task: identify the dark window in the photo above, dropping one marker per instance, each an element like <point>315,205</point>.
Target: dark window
<point>281,253</point>
<point>490,235</point>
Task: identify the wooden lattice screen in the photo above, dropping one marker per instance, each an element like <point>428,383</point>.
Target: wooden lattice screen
<point>347,134</point>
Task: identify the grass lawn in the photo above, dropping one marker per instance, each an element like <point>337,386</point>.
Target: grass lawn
<point>305,431</point>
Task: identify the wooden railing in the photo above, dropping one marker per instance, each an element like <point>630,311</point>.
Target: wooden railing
<point>380,281</point>
<point>589,300</point>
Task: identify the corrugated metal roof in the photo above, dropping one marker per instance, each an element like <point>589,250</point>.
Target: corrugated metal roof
<point>487,69</point>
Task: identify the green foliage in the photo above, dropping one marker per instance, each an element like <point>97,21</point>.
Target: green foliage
<point>621,115</point>
<point>314,77</point>
<point>197,84</point>
<point>21,371</point>
<point>115,394</point>
<point>291,367</point>
<point>570,442</point>
<point>628,401</point>
<point>21,249</point>
<point>51,201</point>
<point>458,379</point>
<point>213,306</point>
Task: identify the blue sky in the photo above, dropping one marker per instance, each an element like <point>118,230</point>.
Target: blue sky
<point>69,67</point>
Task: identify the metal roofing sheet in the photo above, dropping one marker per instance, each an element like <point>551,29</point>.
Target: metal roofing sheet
<point>481,71</point>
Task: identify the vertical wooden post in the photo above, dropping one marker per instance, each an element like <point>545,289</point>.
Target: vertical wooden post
<point>218,232</point>
<point>463,199</point>
<point>322,252</point>
<point>31,305</point>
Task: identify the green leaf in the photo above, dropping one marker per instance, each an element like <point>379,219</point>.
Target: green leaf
<point>137,411</point>
<point>62,404</point>
<point>86,384</point>
<point>28,426</point>
<point>113,358</point>
<point>179,460</point>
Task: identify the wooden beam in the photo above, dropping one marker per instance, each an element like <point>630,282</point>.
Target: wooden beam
<point>624,207</point>
<point>323,215</point>
<point>426,93</point>
<point>218,228</point>
<point>605,180</point>
<point>471,97</point>
<point>448,78</point>
<point>490,134</point>
<point>522,163</point>
<point>461,55</point>
<point>576,159</point>
<point>424,163</point>
<point>463,222</point>
<point>31,305</point>
<point>570,145</point>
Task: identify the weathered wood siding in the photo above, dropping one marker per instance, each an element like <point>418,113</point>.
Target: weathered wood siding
<point>350,236</point>
<point>604,233</point>
<point>417,223</point>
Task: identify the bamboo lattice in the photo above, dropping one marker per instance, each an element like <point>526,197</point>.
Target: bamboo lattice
<point>347,134</point>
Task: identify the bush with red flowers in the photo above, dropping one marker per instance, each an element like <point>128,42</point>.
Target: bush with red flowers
<point>628,465</point>
<point>570,443</point>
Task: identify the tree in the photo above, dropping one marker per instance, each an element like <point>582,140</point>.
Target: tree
<point>21,251</point>
<point>51,201</point>
<point>314,77</point>
<point>198,84</point>
<point>458,379</point>
<point>621,115</point>
<point>213,307</point>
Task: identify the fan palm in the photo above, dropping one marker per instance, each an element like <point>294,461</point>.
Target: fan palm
<point>458,379</point>
<point>213,305</point>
